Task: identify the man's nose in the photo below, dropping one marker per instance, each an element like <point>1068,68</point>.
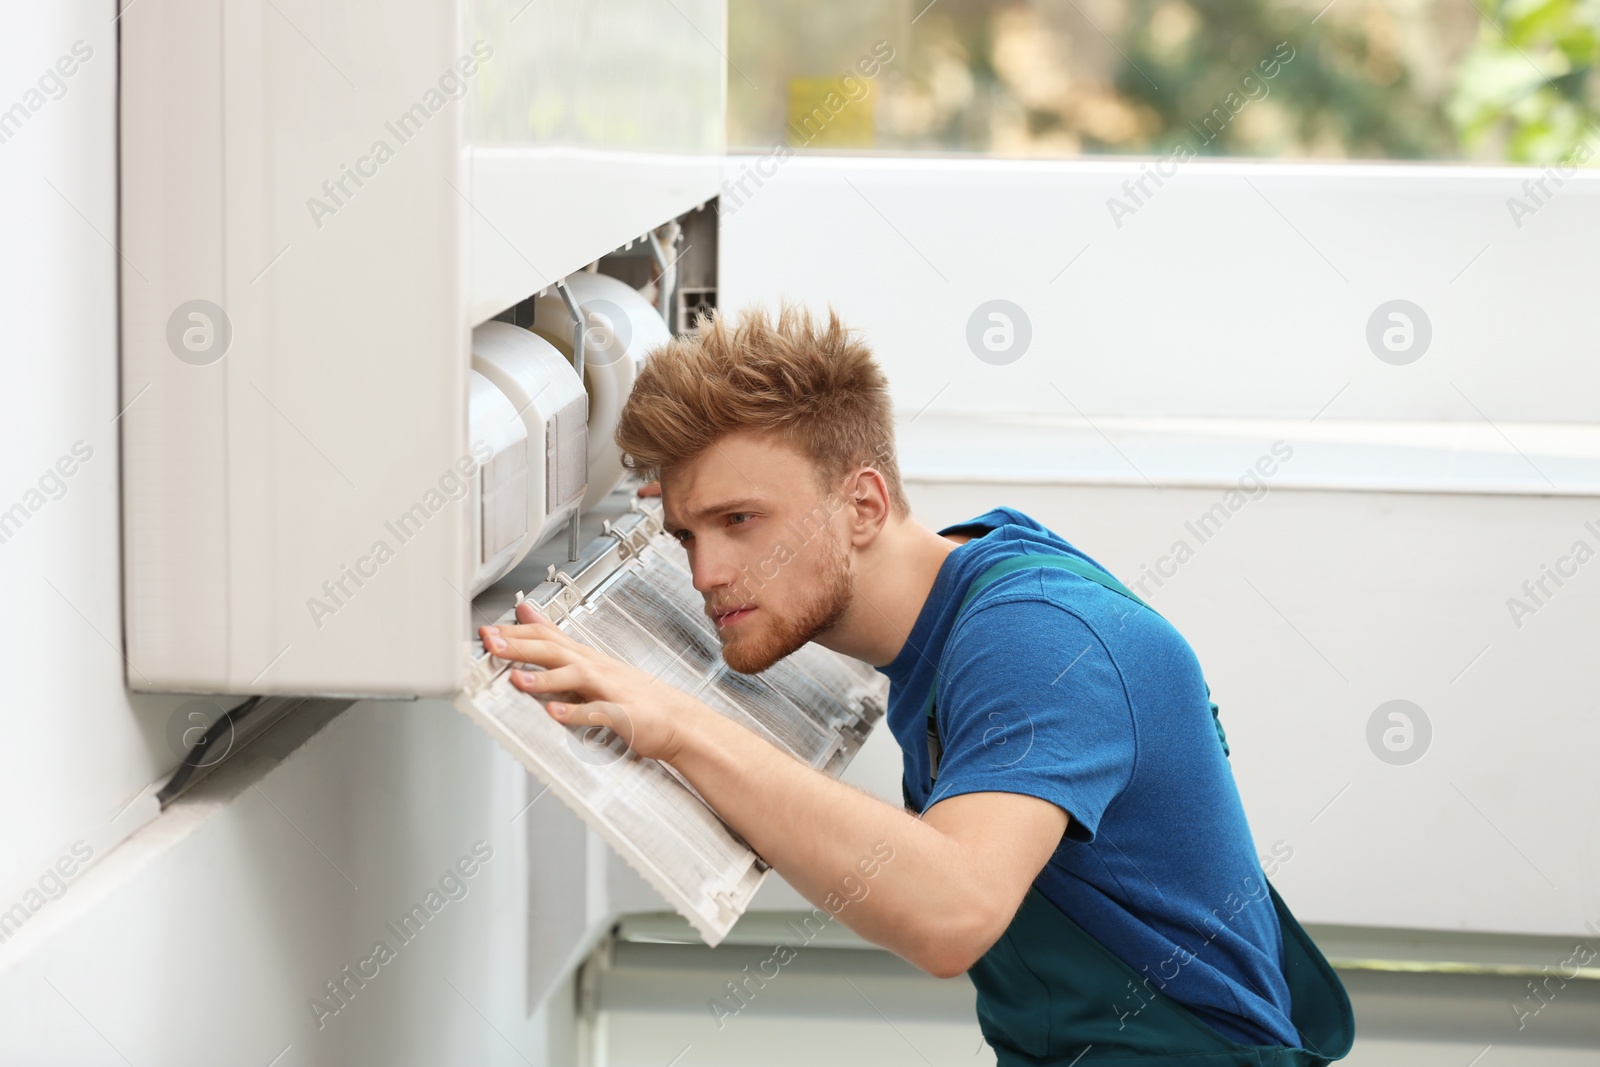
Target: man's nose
<point>711,570</point>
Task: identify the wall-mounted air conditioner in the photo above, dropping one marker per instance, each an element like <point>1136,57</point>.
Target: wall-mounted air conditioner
<point>328,446</point>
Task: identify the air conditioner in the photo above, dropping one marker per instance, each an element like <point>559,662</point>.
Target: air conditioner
<point>335,250</point>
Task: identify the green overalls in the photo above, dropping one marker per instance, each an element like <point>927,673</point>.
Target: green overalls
<point>1049,994</point>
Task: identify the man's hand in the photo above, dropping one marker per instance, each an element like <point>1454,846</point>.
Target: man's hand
<point>647,713</point>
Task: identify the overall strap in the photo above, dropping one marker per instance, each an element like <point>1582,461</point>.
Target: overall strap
<point>1026,561</point>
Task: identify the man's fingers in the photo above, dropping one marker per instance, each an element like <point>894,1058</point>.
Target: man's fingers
<point>539,651</point>
<point>594,713</point>
<point>532,624</point>
<point>542,630</point>
<point>552,647</point>
<point>558,680</point>
<point>604,733</point>
<point>527,613</point>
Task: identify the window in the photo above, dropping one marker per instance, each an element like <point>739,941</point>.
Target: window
<point>1467,80</point>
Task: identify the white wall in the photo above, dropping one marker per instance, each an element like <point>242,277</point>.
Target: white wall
<point>78,749</point>
<point>1237,289</point>
<point>205,937</point>
<point>1167,355</point>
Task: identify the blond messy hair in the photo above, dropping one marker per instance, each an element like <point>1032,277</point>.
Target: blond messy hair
<point>815,385</point>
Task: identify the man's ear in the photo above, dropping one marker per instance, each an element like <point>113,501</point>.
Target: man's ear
<point>867,495</point>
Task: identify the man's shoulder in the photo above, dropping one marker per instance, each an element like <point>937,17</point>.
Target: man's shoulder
<point>1040,611</point>
<point>1007,636</point>
<point>1039,589</point>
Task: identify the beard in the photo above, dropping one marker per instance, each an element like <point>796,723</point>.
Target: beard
<point>780,635</point>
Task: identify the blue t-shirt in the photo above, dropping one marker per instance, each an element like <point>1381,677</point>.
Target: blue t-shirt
<point>1054,686</point>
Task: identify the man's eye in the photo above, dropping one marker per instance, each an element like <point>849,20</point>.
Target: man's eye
<point>739,515</point>
<point>681,536</point>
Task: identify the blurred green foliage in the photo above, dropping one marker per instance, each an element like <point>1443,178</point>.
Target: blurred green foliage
<point>1487,80</point>
<point>1527,79</point>
<point>1346,92</point>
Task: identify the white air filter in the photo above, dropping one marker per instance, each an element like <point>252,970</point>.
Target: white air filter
<point>545,393</point>
<point>634,600</point>
<point>621,329</point>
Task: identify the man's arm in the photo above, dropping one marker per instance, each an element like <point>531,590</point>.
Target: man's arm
<point>956,877</point>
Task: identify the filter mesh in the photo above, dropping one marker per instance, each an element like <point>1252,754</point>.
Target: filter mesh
<point>814,705</point>
<point>664,829</point>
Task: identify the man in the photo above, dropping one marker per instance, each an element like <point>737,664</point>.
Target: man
<point>1081,850</point>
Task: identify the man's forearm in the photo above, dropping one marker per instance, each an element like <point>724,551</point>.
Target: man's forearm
<point>816,831</point>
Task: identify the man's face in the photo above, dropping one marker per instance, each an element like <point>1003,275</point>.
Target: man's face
<point>761,540</point>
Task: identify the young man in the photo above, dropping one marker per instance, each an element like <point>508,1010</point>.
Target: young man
<point>1080,851</point>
